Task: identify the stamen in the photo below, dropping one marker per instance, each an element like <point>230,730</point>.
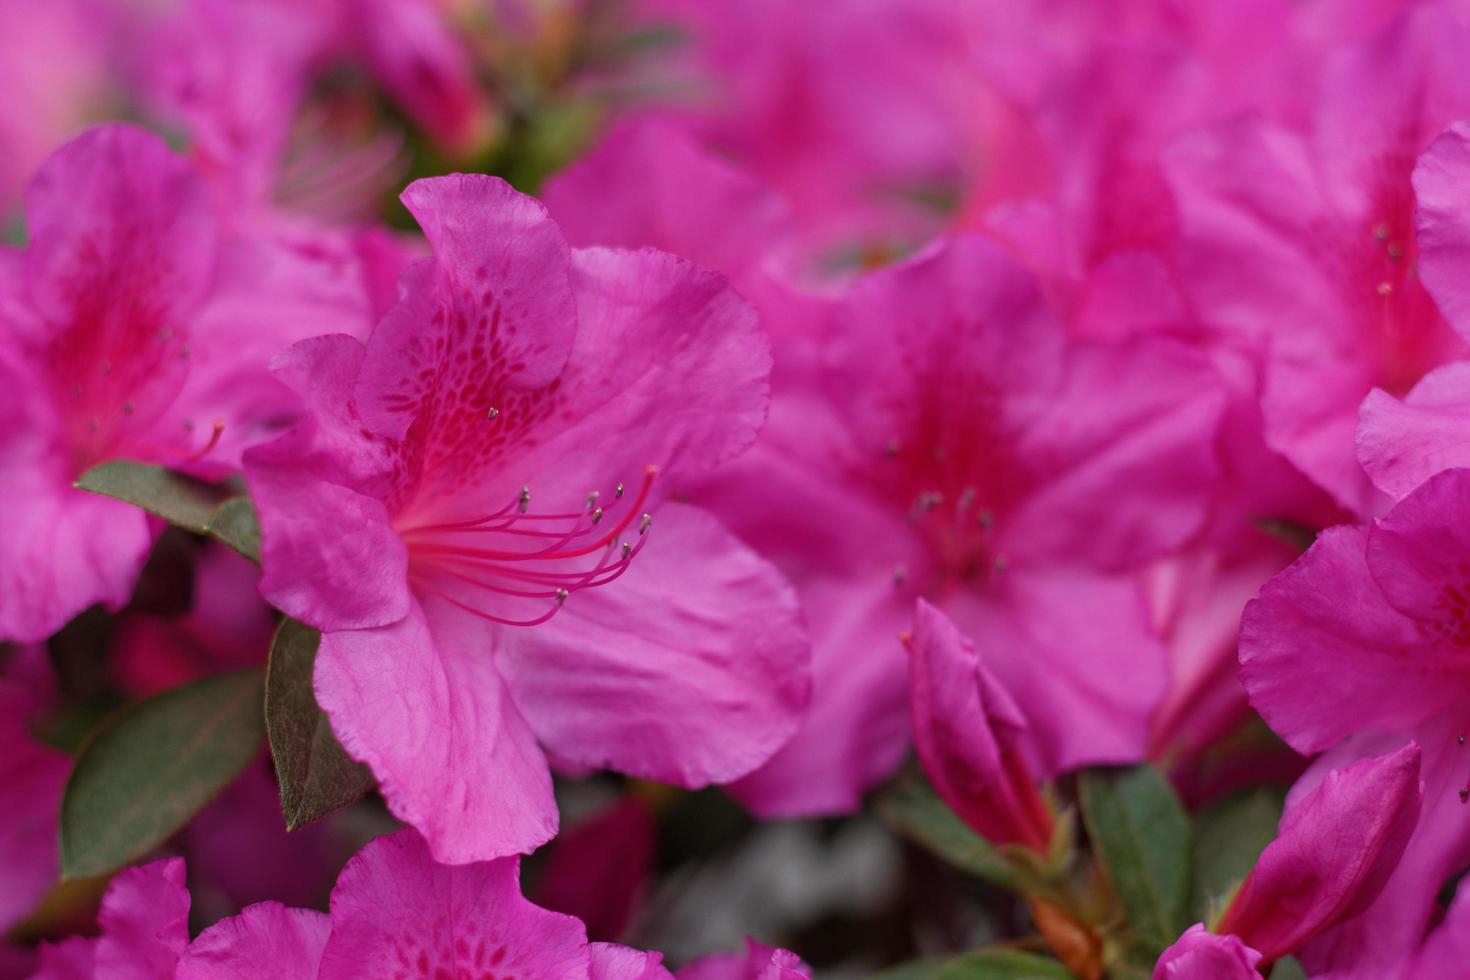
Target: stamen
<point>493,413</point>
<point>524,500</point>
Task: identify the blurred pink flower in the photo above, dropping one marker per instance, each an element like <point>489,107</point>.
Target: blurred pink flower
<point>971,737</point>
<point>1302,240</point>
<point>399,518</point>
<point>956,445</point>
<point>129,326</point>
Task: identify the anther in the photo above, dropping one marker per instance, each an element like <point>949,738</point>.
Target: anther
<point>645,523</point>
<point>1395,251</point>
<point>1380,231</point>
<point>596,514</point>
<point>1460,738</point>
<point>592,499</point>
<point>561,596</point>
<point>900,575</point>
<point>128,408</point>
<point>1001,563</point>
<point>1465,796</point>
<point>618,493</point>
<point>967,498</point>
<point>523,499</point>
<point>890,448</point>
<point>1384,288</point>
<point>985,519</point>
<point>493,413</point>
<point>627,549</point>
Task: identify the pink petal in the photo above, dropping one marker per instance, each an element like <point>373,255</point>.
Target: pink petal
<point>649,183</point>
<point>1325,626</point>
<point>1394,926</point>
<point>329,555</point>
<point>611,962</point>
<point>1448,948</point>
<point>1443,223</point>
<point>759,962</point>
<point>493,313</point>
<point>395,909</point>
<point>1417,556</point>
<point>1403,443</point>
<point>1200,955</point>
<point>421,703</point>
<point>856,731</point>
<point>970,736</point>
<point>1122,479</point>
<point>63,550</point>
<point>669,674</point>
<point>267,941</point>
<point>670,369</point>
<point>1057,641</point>
<point>1334,851</point>
<point>144,921</point>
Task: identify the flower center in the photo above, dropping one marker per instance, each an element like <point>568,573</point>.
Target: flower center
<point>517,568</point>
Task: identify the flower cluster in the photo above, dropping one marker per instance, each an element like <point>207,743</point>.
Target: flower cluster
<point>920,488</point>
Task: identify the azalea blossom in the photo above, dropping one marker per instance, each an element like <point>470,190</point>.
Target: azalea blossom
<point>123,336</point>
<point>950,410</point>
<point>468,512</point>
<point>1345,622</point>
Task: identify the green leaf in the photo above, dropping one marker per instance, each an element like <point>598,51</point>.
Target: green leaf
<point>144,774</point>
<point>914,810</point>
<point>316,774</point>
<point>234,523</point>
<point>1141,834</point>
<point>1288,968</point>
<point>982,964</point>
<point>177,498</point>
<point>1228,838</point>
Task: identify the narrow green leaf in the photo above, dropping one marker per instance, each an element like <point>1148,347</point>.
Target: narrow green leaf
<point>177,498</point>
<point>913,809</point>
<point>234,523</point>
<point>982,964</point>
<point>143,775</point>
<point>1141,834</point>
<point>316,774</point>
<point>1228,837</point>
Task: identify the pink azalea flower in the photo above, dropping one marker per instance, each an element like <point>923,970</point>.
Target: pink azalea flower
<point>405,518</point>
<point>1369,621</point>
<point>981,466</point>
<point>1201,955</point>
<point>125,333</point>
<point>1304,242</point>
<point>144,924</point>
<point>971,737</point>
<point>395,913</point>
